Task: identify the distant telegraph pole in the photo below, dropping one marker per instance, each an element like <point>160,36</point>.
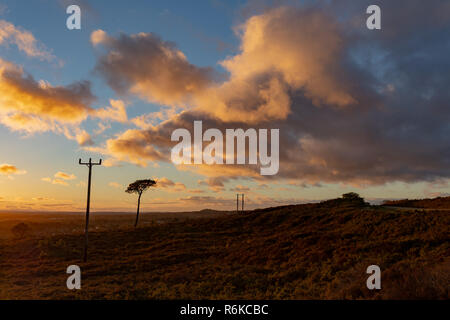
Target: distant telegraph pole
<point>89,165</point>
<point>237,202</point>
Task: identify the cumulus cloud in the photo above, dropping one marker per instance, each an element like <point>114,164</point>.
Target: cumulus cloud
<point>10,170</point>
<point>116,112</point>
<point>352,106</point>
<point>147,121</point>
<point>55,181</point>
<point>111,162</point>
<point>22,94</point>
<point>24,40</point>
<point>169,185</point>
<point>65,176</point>
<point>216,184</point>
<point>154,69</point>
<point>133,146</point>
<point>60,182</point>
<point>60,178</point>
<point>84,139</point>
<point>30,105</point>
<point>281,51</point>
<point>25,122</point>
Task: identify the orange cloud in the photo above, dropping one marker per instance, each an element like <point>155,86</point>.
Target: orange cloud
<point>116,112</point>
<point>281,50</point>
<point>169,185</point>
<point>65,176</point>
<point>24,40</point>
<point>22,94</point>
<point>110,163</point>
<point>132,146</point>
<point>8,170</point>
<point>216,184</point>
<point>300,70</point>
<point>55,181</point>
<point>60,178</point>
<point>83,138</point>
<point>149,67</point>
<point>30,106</point>
<point>25,122</point>
<point>60,182</point>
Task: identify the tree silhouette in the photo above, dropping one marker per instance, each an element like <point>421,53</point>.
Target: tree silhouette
<point>139,186</point>
<point>354,199</point>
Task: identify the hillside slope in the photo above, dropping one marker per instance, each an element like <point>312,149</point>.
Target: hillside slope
<point>435,203</point>
<point>313,251</point>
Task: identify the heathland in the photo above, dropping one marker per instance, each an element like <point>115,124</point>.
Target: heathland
<point>309,251</point>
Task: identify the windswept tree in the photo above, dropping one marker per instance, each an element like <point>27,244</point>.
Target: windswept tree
<point>139,187</point>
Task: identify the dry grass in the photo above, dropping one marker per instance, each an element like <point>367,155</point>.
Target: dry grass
<point>313,251</point>
<point>436,203</point>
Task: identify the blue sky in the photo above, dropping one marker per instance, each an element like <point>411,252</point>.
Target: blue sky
<point>206,33</point>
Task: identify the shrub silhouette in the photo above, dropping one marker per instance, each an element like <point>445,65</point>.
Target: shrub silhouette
<point>350,199</point>
<point>351,196</point>
<point>354,199</point>
<point>20,230</point>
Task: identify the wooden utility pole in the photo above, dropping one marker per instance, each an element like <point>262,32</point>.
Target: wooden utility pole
<point>89,164</point>
<point>237,203</point>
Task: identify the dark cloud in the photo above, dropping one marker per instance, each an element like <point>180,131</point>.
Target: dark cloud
<point>374,111</point>
<point>146,65</point>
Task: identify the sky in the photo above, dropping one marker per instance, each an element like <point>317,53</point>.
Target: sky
<point>357,109</point>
